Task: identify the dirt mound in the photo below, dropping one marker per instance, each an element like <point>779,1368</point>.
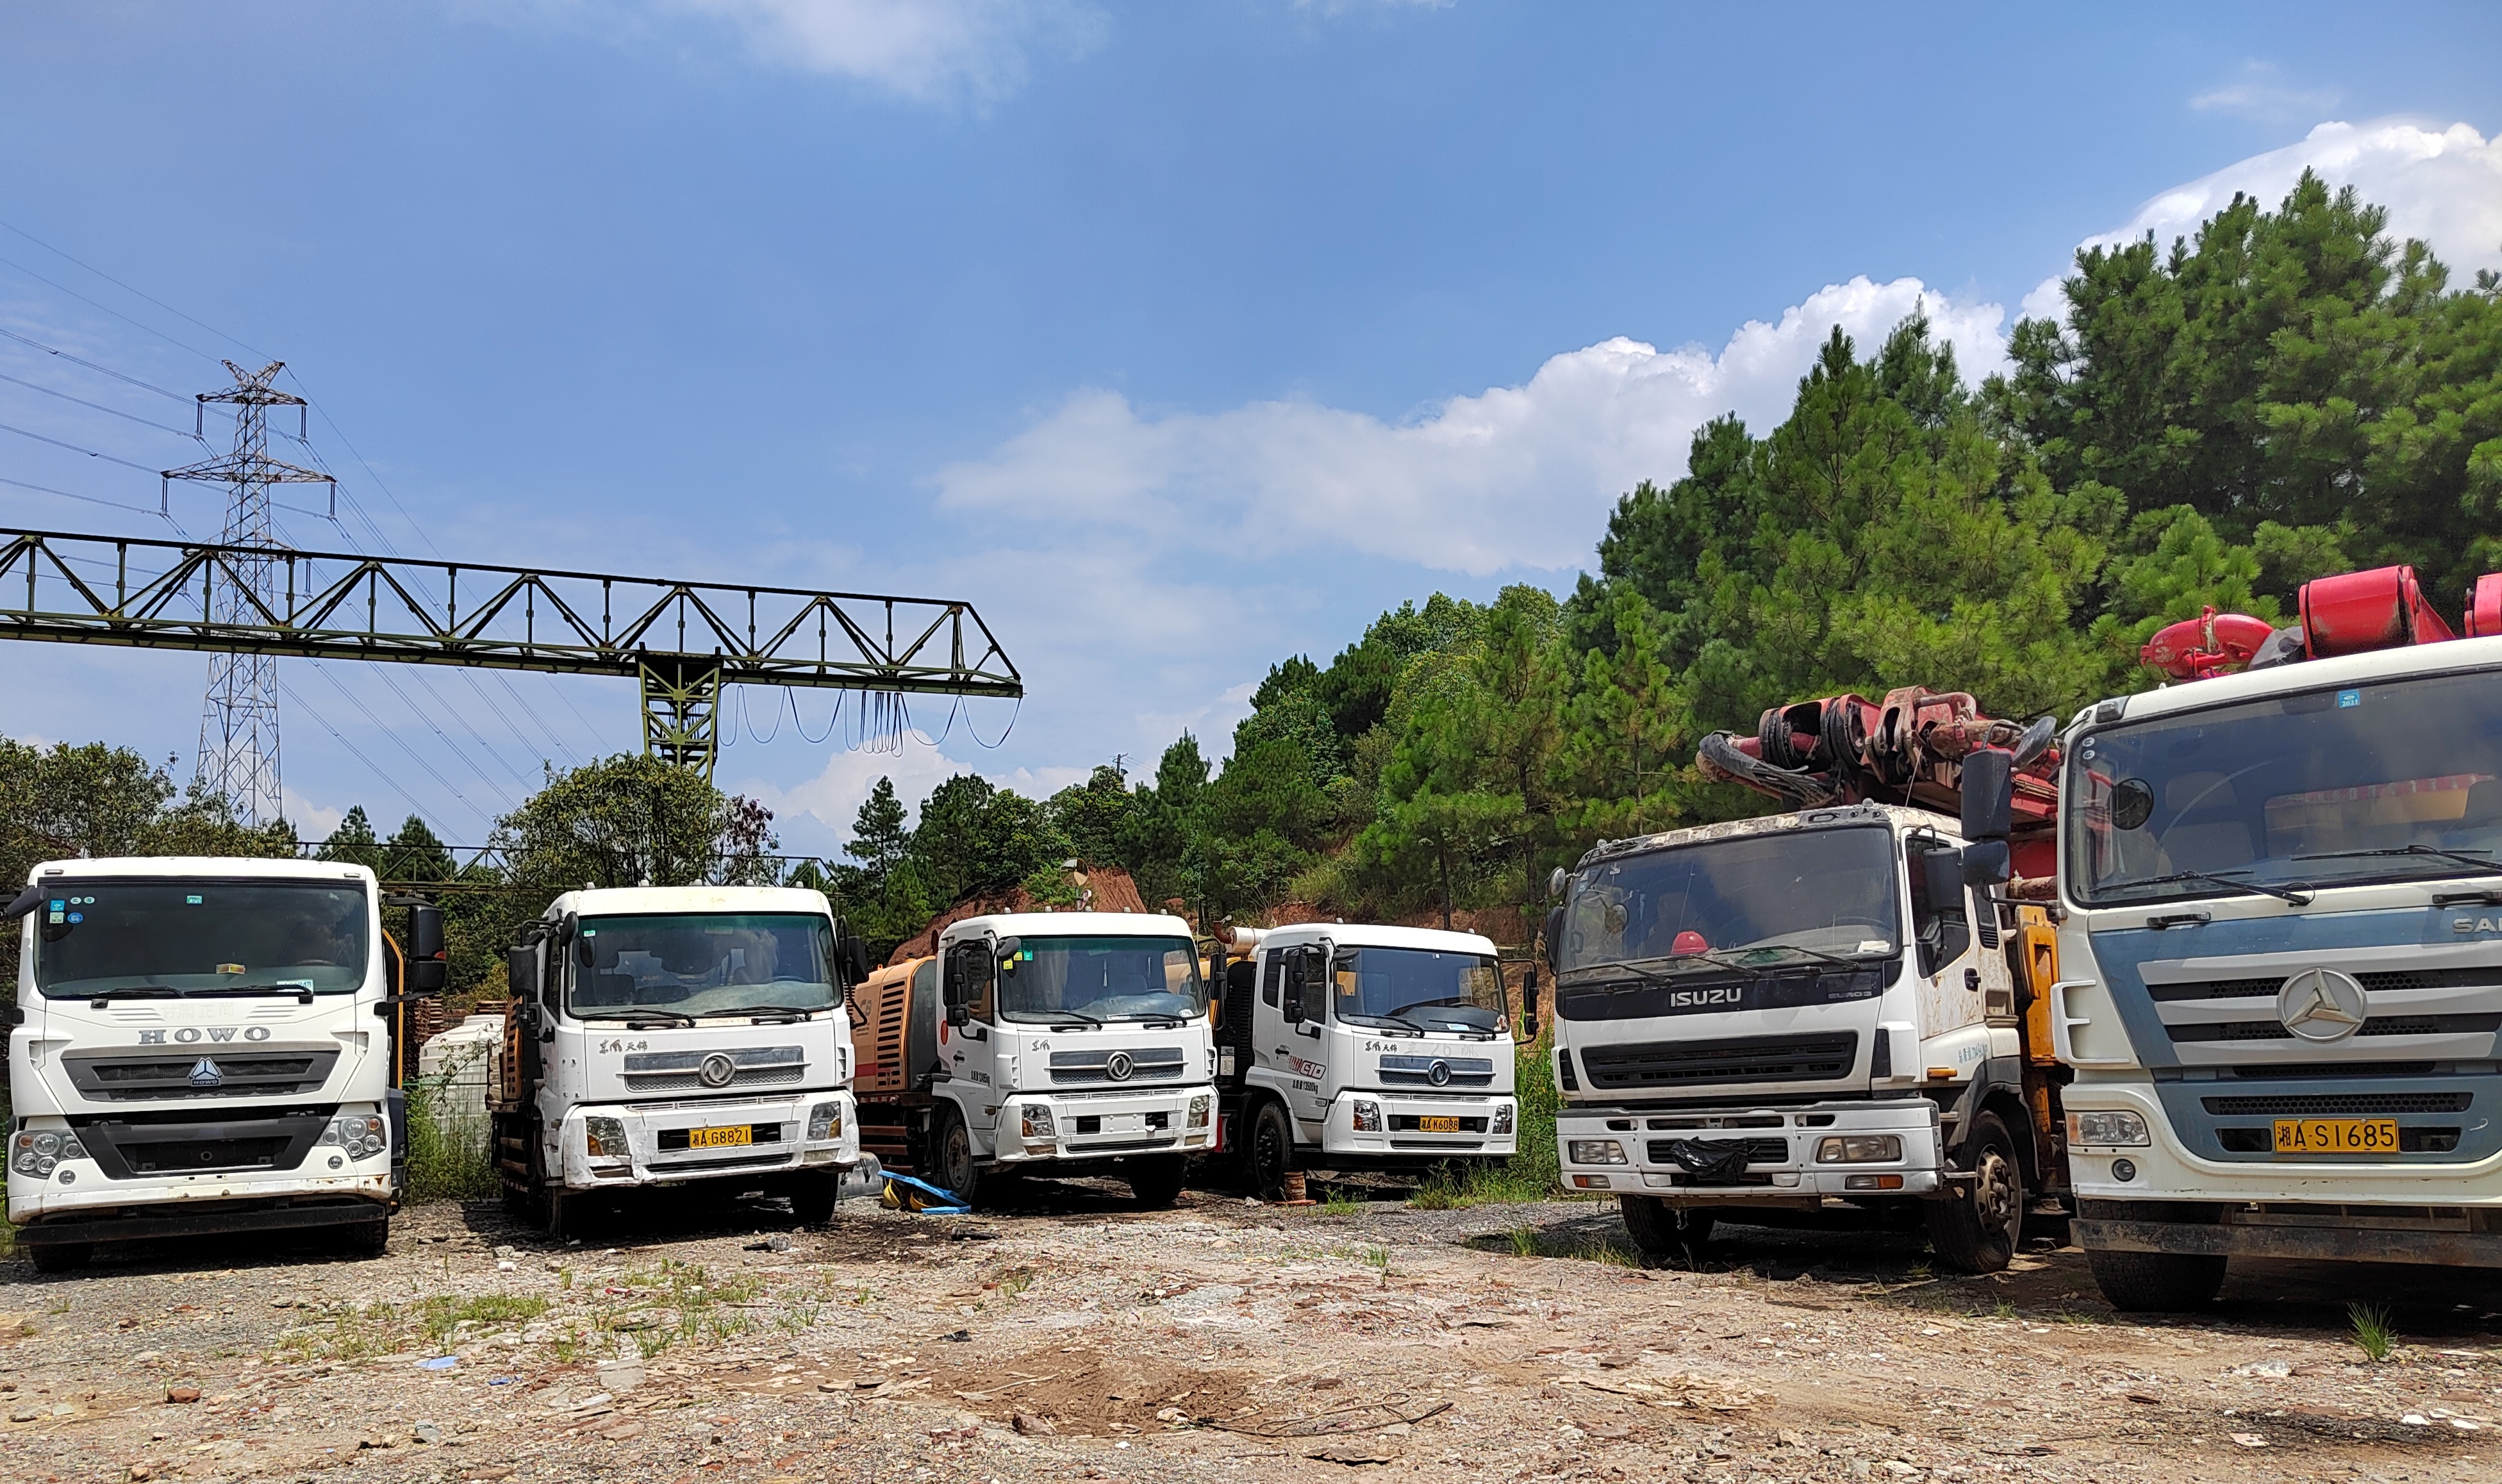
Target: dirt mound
<point>1089,1392</point>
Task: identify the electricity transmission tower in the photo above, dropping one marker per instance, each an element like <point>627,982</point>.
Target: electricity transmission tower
<point>239,720</point>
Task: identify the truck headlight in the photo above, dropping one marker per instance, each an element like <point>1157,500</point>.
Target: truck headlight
<point>825,1122</point>
<point>2117,1127</point>
<point>1038,1123</point>
<point>1596,1152</point>
<point>604,1138</point>
<point>36,1153</point>
<point>1365,1117</point>
<point>1502,1117</point>
<point>361,1136</point>
<point>1859,1149</point>
<point>1199,1111</point>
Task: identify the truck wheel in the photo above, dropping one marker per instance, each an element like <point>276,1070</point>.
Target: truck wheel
<point>59,1257</point>
<point>1661,1232</point>
<point>1156,1180</point>
<point>951,1156</point>
<point>2143,1282</point>
<point>1269,1154</point>
<point>1975,1230</point>
<point>812,1199</point>
<point>363,1239</point>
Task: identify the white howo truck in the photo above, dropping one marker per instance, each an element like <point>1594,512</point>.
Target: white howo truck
<point>687,1038</point>
<point>1359,1047</point>
<point>202,1046</point>
<point>1805,1016</point>
<point>1055,1043</point>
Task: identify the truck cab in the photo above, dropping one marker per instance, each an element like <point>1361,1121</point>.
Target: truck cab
<point>203,1046</point>
<point>677,1038</point>
<point>1059,1043</point>
<point>1365,1047</point>
<point>1807,1012</point>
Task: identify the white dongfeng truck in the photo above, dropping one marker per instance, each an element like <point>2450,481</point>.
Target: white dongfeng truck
<point>680,1038</point>
<point>1360,1046</point>
<point>204,1046</point>
<point>1044,1043</point>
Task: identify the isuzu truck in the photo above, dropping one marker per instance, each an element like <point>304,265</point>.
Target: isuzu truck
<point>1352,1047</point>
<point>692,1040</point>
<point>1043,1043</point>
<point>203,1046</point>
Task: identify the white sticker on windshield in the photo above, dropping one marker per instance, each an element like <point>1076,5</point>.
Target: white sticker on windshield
<point>1874,946</point>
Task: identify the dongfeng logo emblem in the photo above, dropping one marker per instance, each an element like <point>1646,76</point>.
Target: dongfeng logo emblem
<point>1438,1075</point>
<point>1118,1067</point>
<point>717,1070</point>
<point>205,1074</point>
<point>2322,1004</point>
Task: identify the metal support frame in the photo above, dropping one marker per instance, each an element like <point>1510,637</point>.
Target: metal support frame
<point>680,710</point>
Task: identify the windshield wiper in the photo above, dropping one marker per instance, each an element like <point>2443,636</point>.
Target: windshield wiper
<point>101,998</point>
<point>2460,857</point>
<point>1638,966</point>
<point>1364,1016</point>
<point>777,1015</point>
<point>2298,892</point>
<point>1812,953</point>
<point>1460,1027</point>
<point>303,993</point>
<point>670,1017</point>
<point>1079,1016</point>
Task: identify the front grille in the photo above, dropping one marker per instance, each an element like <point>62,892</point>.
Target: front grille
<point>2311,1069</point>
<point>1758,1151</point>
<point>2329,1104</point>
<point>124,1149</point>
<point>2396,979</point>
<point>682,1071</point>
<point>157,1076</point>
<point>1820,1057</point>
<point>1147,1064</point>
<point>1418,1071</point>
<point>1409,1122</point>
<point>2377,1025</point>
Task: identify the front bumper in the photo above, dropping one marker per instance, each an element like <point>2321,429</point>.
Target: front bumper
<point>1094,1126</point>
<point>1489,1126</point>
<point>2165,1168</point>
<point>662,1148</point>
<point>113,1190</point>
<point>1780,1162</point>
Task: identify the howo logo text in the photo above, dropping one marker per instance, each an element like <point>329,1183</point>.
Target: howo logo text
<point>186,1034</point>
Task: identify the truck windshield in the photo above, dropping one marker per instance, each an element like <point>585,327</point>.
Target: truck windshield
<point>700,963</point>
<point>1420,989</point>
<point>1792,894</point>
<point>2398,781</point>
<point>169,939</point>
<point>1075,979</point>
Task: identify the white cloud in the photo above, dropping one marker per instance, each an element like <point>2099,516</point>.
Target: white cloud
<point>2441,185</point>
<point>818,815</point>
<point>312,821</point>
<point>925,49</point>
<point>1513,477</point>
<point>2261,92</point>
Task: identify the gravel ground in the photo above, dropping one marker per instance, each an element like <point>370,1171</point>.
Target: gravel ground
<point>1073,1339</point>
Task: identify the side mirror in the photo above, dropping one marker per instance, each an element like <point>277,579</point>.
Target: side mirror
<point>534,1019</point>
<point>522,971</point>
<point>1555,881</point>
<point>1007,947</point>
<point>427,963</point>
<point>1986,863</point>
<point>1529,1006</point>
<point>1988,794</point>
<point>1554,935</point>
<point>1940,882</point>
<point>852,953</point>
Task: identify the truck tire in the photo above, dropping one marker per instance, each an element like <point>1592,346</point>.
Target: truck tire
<point>59,1257</point>
<point>813,1196</point>
<point>363,1239</point>
<point>1156,1180</point>
<point>1661,1232</point>
<point>953,1167</point>
<point>2155,1282</point>
<point>1975,1230</point>
<point>1269,1154</point>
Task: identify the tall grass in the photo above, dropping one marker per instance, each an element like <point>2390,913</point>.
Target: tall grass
<point>448,1155</point>
<point>1532,1174</point>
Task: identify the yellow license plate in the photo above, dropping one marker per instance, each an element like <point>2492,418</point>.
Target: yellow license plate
<point>721,1138</point>
<point>2336,1135</point>
<point>1435,1123</point>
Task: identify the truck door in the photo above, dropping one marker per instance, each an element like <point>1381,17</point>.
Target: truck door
<point>1303,1023</point>
<point>1957,979</point>
<point>964,1051</point>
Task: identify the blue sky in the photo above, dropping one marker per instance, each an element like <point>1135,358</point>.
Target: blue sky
<point>1179,337</point>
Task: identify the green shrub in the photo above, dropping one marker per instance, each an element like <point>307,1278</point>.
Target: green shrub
<point>448,1158</point>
